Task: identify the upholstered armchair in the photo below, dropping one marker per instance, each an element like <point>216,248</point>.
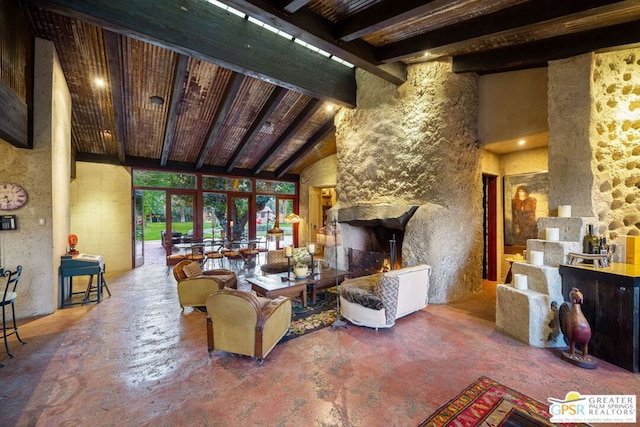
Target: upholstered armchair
<point>195,285</point>
<point>188,269</point>
<point>239,322</point>
<point>377,300</point>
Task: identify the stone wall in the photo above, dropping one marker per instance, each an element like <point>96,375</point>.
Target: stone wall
<point>615,138</point>
<point>594,123</point>
<point>417,144</point>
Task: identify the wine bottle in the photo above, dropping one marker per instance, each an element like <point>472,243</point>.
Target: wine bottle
<point>590,243</point>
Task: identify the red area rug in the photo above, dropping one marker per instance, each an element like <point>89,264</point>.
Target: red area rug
<point>489,403</point>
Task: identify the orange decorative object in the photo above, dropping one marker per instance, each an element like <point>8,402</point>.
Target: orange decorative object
<point>73,241</point>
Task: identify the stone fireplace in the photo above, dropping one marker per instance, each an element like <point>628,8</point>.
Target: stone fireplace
<point>375,229</point>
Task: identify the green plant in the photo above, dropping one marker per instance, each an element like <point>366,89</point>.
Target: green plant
<point>300,256</point>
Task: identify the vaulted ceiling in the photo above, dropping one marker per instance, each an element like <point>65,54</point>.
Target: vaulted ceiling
<point>191,85</point>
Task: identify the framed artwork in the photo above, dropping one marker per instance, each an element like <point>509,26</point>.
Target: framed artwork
<point>526,198</point>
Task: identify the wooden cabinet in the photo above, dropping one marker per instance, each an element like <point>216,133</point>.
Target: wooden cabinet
<point>612,307</point>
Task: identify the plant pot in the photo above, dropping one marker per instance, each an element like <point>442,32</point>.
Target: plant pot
<point>301,271</point>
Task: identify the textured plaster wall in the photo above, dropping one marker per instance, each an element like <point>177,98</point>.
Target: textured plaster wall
<point>595,154</point>
<point>513,105</point>
<point>320,174</point>
<point>44,172</point>
<point>101,213</point>
<point>570,152</point>
<point>417,144</point>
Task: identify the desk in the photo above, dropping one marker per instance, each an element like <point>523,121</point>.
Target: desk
<point>612,308</point>
<point>80,265</point>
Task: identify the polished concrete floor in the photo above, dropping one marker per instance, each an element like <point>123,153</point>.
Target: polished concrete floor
<point>138,359</point>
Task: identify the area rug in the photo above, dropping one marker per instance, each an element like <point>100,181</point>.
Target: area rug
<point>488,403</point>
<point>313,317</point>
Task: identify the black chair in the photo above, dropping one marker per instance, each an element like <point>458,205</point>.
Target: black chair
<point>8,298</point>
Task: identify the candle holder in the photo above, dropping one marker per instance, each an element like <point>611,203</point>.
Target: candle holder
<point>288,253</point>
<point>312,251</point>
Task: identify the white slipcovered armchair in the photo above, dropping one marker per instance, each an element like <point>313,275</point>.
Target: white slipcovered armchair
<point>379,299</point>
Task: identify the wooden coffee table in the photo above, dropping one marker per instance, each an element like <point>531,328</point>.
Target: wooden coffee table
<point>271,286</point>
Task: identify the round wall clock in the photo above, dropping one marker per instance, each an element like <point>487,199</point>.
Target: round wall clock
<point>12,196</point>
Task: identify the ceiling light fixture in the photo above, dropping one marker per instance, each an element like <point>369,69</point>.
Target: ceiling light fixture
<point>99,81</point>
<point>521,142</point>
<point>156,100</point>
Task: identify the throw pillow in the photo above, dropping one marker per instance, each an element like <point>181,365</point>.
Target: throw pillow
<point>192,270</point>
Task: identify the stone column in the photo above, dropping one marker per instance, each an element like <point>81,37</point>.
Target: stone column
<point>417,144</point>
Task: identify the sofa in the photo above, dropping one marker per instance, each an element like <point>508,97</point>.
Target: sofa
<point>377,300</point>
<point>277,262</point>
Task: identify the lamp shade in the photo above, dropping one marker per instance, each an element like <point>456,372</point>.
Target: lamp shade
<point>292,218</point>
<point>275,233</point>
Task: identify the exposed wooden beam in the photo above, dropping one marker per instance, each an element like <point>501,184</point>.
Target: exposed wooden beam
<point>14,120</point>
<point>540,52</point>
<point>142,162</point>
<point>206,32</point>
<point>114,48</point>
<point>301,119</point>
<point>269,107</point>
<point>320,134</point>
<point>228,96</point>
<point>180,73</point>
<point>313,29</point>
<point>525,18</point>
<point>292,6</point>
<point>383,14</point>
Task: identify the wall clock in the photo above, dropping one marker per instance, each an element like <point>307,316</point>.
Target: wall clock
<point>12,196</point>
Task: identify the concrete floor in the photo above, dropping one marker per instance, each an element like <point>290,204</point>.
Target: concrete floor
<point>137,359</point>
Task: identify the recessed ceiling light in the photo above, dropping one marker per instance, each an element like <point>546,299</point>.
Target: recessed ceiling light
<point>156,100</point>
<point>99,81</point>
<point>329,107</point>
<point>522,142</point>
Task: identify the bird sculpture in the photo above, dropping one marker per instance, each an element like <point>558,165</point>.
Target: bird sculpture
<point>576,329</point>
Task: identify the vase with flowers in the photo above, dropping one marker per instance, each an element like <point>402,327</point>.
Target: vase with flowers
<point>300,266</point>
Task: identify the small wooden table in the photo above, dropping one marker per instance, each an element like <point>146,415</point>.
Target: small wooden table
<point>271,286</point>
<point>324,280</point>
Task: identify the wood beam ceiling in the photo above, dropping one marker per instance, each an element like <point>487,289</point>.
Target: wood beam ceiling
<point>313,29</point>
<point>211,34</point>
<point>521,22</point>
<point>269,107</point>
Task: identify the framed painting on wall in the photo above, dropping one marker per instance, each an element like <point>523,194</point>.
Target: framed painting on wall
<point>526,198</point>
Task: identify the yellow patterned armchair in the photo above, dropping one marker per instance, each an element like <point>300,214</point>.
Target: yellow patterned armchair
<point>241,323</point>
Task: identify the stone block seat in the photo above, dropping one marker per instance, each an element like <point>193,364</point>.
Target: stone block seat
<point>377,300</point>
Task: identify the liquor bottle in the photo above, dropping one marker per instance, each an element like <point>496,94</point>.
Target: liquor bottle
<point>590,243</point>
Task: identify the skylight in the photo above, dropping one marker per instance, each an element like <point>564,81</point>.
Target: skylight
<point>279,32</point>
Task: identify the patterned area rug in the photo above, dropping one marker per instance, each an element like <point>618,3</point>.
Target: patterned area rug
<point>313,317</point>
<point>489,403</point>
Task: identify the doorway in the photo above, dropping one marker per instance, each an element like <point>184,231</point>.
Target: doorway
<point>489,227</point>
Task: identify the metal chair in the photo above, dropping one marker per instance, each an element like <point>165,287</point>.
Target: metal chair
<point>8,298</point>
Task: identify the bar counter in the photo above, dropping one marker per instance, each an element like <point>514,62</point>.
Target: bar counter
<point>612,308</point>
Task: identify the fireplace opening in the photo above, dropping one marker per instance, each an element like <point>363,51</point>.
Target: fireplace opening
<point>376,235</point>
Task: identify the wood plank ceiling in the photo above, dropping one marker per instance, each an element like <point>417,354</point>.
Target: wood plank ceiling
<point>242,100</point>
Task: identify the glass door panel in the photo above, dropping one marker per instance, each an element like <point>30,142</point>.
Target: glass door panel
<point>265,219</point>
<point>139,221</point>
<point>285,207</point>
<point>181,226</point>
<point>239,218</point>
<point>214,215</point>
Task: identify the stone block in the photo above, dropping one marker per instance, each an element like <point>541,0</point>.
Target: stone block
<point>543,279</point>
<point>555,253</point>
<point>528,317</point>
<point>571,229</point>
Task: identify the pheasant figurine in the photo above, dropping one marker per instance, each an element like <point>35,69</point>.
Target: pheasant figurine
<point>576,330</point>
